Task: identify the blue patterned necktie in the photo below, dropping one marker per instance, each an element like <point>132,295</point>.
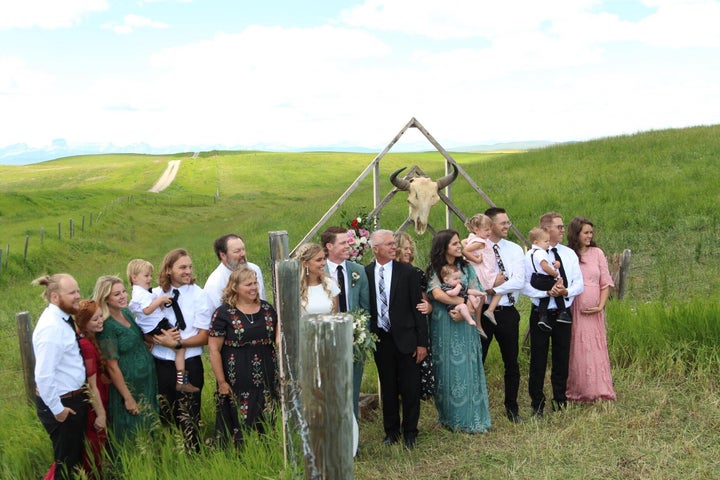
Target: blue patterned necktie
<point>383,320</point>
<point>496,249</point>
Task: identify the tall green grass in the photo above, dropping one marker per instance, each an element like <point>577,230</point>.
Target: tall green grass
<point>654,193</point>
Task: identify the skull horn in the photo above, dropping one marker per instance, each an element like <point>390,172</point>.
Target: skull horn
<point>401,183</point>
<point>447,179</point>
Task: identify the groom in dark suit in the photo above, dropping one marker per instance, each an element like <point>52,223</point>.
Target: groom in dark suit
<point>353,284</point>
<point>394,293</point>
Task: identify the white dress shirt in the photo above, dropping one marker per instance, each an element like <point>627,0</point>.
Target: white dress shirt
<point>197,313</point>
<point>218,280</point>
<point>571,265</point>
<point>513,259</point>
<point>59,366</point>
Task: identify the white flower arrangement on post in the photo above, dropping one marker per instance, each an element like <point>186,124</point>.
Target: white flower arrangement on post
<point>363,339</point>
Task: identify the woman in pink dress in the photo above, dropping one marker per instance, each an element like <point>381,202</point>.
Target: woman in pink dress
<point>589,376</point>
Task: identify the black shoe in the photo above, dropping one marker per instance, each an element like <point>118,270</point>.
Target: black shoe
<point>544,324</point>
<point>390,440</point>
<point>564,317</point>
<point>410,442</point>
<point>514,417</point>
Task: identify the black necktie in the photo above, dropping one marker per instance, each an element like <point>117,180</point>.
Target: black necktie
<point>501,266</point>
<point>561,269</point>
<point>71,321</point>
<point>341,283</point>
<point>179,319</point>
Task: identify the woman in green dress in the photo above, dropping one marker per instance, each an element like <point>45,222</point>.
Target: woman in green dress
<point>461,395</point>
<point>132,403</point>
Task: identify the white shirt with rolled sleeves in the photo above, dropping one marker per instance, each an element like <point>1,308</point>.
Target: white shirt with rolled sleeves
<point>142,299</point>
<point>218,280</point>
<point>513,259</point>
<point>197,313</point>
<point>59,366</point>
<point>575,285</point>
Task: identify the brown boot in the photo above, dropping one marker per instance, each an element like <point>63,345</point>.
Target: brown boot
<point>185,386</point>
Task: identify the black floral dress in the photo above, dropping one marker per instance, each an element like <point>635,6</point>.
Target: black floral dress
<point>427,378</point>
<point>250,367</point>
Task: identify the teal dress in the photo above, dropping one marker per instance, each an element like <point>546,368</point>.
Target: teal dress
<point>461,395</point>
<point>125,344</point>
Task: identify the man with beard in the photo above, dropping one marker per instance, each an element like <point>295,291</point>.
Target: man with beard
<point>230,250</point>
<point>61,399</point>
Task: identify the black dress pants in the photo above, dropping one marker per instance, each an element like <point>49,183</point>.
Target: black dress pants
<point>181,408</point>
<point>68,437</point>
<point>400,385</point>
<point>506,332</point>
<point>540,344</point>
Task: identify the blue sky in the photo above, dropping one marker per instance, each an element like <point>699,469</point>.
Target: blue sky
<point>291,74</point>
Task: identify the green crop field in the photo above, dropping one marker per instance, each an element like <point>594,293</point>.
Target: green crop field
<point>654,193</point>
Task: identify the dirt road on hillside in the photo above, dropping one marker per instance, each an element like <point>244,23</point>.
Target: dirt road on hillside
<point>167,177</point>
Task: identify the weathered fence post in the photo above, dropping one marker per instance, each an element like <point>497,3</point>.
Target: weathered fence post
<point>91,216</point>
<point>82,228</point>
<point>7,255</point>
<point>72,228</point>
<point>42,235</point>
<point>59,231</point>
<point>27,356</point>
<point>326,394</point>
<point>621,283</point>
<point>27,241</point>
<point>1,251</point>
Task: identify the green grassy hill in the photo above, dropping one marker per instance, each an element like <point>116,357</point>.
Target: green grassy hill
<point>654,193</point>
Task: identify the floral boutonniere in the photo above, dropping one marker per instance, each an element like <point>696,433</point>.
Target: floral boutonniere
<point>355,276</point>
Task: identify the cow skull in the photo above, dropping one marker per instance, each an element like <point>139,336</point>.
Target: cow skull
<point>422,195</point>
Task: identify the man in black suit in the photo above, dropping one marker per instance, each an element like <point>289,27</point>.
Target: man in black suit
<point>403,333</point>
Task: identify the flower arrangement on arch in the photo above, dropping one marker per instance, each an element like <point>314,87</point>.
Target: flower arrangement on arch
<point>363,339</point>
<point>358,236</point>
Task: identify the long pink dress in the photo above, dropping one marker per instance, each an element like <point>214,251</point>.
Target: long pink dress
<point>589,377</point>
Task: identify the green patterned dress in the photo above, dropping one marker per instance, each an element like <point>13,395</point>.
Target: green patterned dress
<point>125,344</point>
<point>461,395</point>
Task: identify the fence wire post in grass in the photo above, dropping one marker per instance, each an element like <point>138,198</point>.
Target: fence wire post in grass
<point>27,241</point>
<point>82,228</point>
<point>27,356</point>
<point>91,215</point>
<point>623,274</point>
<point>59,231</point>
<point>287,303</point>
<point>72,228</point>
<point>1,252</point>
<point>326,394</point>
<point>7,255</point>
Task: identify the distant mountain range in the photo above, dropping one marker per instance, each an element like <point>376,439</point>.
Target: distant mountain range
<point>23,154</point>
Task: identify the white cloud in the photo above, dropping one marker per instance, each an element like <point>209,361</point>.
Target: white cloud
<point>133,22</point>
<point>47,14</point>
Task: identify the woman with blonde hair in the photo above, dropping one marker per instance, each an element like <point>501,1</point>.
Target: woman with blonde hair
<point>318,290</point>
<point>243,335</point>
<point>132,402</point>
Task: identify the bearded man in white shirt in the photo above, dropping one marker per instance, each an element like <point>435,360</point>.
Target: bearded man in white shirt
<point>230,250</point>
<point>60,376</point>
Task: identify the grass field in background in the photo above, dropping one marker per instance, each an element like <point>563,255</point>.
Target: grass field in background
<point>654,193</point>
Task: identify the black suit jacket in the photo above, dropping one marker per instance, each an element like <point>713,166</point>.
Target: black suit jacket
<point>408,327</point>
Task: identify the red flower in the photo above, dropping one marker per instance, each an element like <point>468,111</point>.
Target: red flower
<point>354,223</point>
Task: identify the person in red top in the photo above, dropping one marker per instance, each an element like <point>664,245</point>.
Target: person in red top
<point>89,321</point>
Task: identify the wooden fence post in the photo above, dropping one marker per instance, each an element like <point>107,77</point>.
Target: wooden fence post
<point>27,356</point>
<point>59,230</point>
<point>82,228</point>
<point>1,251</point>
<point>72,228</point>
<point>7,255</point>
<point>622,280</point>
<point>326,394</point>
<point>91,215</point>
<point>27,241</point>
